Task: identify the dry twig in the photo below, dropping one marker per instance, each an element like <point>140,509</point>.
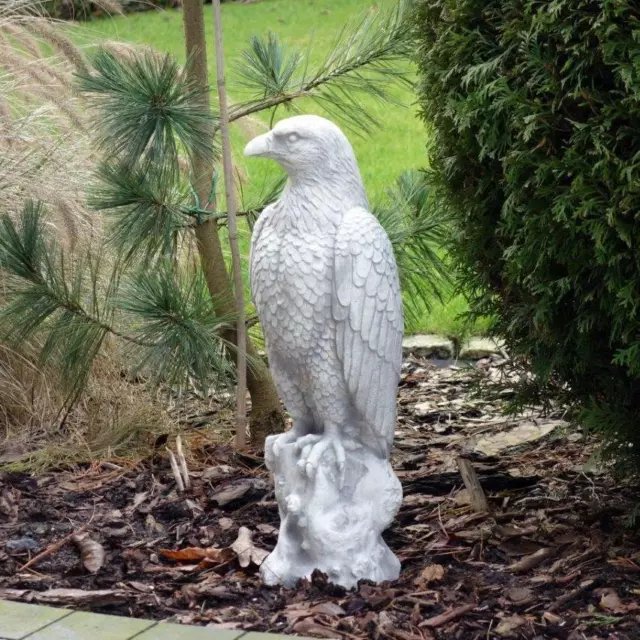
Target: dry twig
<point>176,471</point>
<point>52,548</point>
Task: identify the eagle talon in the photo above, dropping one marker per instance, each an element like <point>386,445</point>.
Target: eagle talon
<point>282,440</point>
<point>312,460</point>
<point>305,441</point>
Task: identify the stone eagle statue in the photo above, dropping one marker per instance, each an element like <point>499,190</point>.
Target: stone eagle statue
<point>325,285</point>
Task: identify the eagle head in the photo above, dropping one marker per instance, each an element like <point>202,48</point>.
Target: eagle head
<point>306,146</point>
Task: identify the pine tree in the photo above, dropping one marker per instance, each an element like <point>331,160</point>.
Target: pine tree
<point>156,187</point>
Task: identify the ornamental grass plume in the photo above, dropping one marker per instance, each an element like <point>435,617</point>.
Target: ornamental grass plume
<point>46,157</point>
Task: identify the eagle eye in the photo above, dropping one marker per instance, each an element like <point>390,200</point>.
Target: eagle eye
<point>293,137</point>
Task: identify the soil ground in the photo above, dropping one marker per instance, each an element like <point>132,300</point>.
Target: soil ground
<point>554,558</point>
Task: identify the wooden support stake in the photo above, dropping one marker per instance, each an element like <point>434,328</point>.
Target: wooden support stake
<point>232,208</point>
<point>476,492</point>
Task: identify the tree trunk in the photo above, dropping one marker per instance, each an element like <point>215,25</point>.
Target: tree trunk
<point>266,413</point>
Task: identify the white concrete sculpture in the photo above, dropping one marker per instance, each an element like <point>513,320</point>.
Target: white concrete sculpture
<point>325,285</point>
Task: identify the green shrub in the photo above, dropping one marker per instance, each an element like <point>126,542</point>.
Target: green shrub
<point>534,115</point>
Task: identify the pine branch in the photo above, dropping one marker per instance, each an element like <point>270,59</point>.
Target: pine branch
<point>67,304</point>
<point>370,57</point>
<point>269,193</point>
<point>175,318</point>
<point>45,292</point>
<point>147,206</point>
<point>150,110</point>
<point>417,230</point>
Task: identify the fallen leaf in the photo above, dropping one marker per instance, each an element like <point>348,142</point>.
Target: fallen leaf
<point>610,601</point>
<point>9,499</point>
<point>246,550</point>
<point>192,592</point>
<point>231,493</point>
<point>114,518</point>
<point>508,625</point>
<point>297,611</point>
<point>173,571</point>
<point>431,573</point>
<point>552,618</point>
<point>222,470</point>
<point>225,523</point>
<point>86,484</point>
<point>513,547</point>
<point>532,561</point>
<point>526,432</point>
<point>308,627</point>
<point>328,609</point>
<point>447,616</point>
<point>462,497</point>
<point>520,595</point>
<point>194,506</point>
<point>624,563</point>
<point>152,527</point>
<point>91,552</point>
<point>267,529</point>
<point>138,499</point>
<point>512,531</point>
<point>386,622</point>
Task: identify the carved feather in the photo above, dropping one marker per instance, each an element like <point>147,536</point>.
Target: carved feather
<point>367,307</point>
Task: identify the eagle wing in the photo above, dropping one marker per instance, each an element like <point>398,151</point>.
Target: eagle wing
<point>367,308</point>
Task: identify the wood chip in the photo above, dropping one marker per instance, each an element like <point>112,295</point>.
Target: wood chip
<point>448,616</point>
<point>531,562</point>
<point>472,483</point>
<point>246,550</point>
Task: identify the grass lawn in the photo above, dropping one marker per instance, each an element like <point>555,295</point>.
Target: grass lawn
<point>397,146</point>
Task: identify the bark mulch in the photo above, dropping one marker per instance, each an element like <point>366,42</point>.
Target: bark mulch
<point>555,557</point>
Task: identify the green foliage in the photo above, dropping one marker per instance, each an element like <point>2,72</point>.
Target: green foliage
<point>47,291</point>
<point>417,230</point>
<point>266,67</point>
<point>150,121</point>
<point>146,208</point>
<point>369,58</point>
<point>149,110</point>
<point>177,329</point>
<point>533,109</point>
<point>70,303</point>
<point>150,118</point>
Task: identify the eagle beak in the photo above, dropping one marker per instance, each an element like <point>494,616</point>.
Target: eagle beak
<point>259,147</point>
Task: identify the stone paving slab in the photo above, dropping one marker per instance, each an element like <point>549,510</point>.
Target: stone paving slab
<point>479,348</point>
<point>166,631</point>
<point>428,346</point>
<point>20,621</point>
<point>91,626</point>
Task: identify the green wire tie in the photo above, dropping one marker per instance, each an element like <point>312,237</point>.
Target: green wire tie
<point>198,212</point>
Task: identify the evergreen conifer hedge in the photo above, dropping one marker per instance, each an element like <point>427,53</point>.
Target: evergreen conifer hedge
<point>533,108</point>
